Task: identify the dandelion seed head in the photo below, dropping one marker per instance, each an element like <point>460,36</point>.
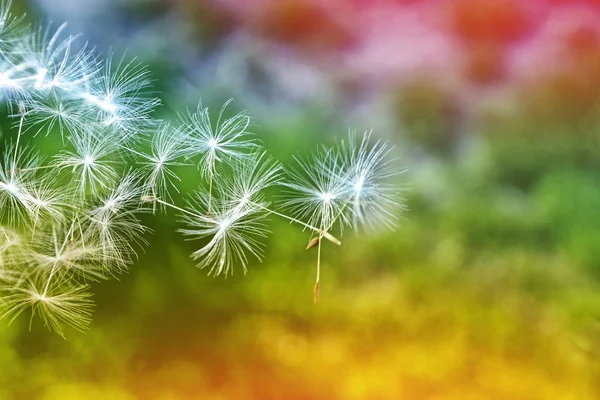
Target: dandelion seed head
<point>62,253</point>
<point>358,185</point>
<point>39,202</point>
<point>223,225</point>
<point>90,163</point>
<point>228,139</point>
<point>10,187</point>
<point>41,74</point>
<point>70,116</point>
<point>120,94</point>
<point>168,149</point>
<point>371,176</point>
<point>234,233</point>
<point>7,82</point>
<point>16,180</point>
<point>317,189</point>
<point>245,199</point>
<point>327,197</point>
<point>251,176</point>
<point>104,104</point>
<point>115,228</point>
<point>58,304</point>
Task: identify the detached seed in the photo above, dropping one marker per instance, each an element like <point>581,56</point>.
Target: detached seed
<point>313,242</point>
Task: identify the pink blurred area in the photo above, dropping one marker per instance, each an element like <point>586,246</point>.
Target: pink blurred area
<point>473,40</point>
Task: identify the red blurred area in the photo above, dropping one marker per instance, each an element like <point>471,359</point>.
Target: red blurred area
<point>490,20</point>
<point>478,41</point>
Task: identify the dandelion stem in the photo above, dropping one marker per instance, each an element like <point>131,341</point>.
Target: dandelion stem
<point>14,166</point>
<point>321,232</point>
<point>183,210</point>
<point>210,185</point>
<point>49,279</point>
<point>57,251</point>
<point>339,213</point>
<point>316,289</point>
<point>33,168</point>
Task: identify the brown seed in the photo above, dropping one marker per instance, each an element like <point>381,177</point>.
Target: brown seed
<point>313,242</point>
<point>316,293</point>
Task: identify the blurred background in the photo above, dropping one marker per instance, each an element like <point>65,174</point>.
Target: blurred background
<point>488,289</point>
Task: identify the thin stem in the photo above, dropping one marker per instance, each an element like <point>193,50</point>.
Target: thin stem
<point>49,279</point>
<point>321,232</point>
<point>57,251</point>
<point>210,185</point>
<point>316,288</point>
<point>14,166</point>
<point>32,168</point>
<point>292,219</point>
<point>203,217</point>
<point>339,213</point>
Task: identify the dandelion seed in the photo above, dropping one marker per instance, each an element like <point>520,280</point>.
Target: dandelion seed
<point>9,25</point>
<point>374,197</point>
<point>13,86</point>
<point>47,200</point>
<point>113,224</point>
<point>54,64</point>
<point>64,254</point>
<point>16,174</point>
<point>125,196</point>
<point>53,111</point>
<point>168,150</point>
<point>121,96</point>
<point>90,162</point>
<point>251,176</point>
<point>228,140</point>
<point>13,252</point>
<point>234,234</point>
<point>317,190</point>
<point>59,303</point>
<point>116,236</point>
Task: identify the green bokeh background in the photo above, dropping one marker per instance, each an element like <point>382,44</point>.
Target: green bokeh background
<point>488,289</point>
